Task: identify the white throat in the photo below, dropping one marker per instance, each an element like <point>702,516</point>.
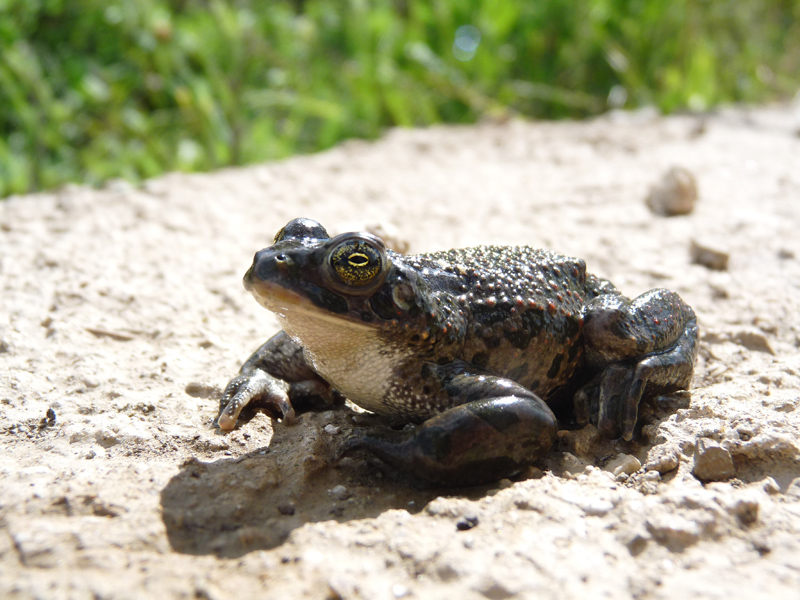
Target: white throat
<point>350,356</point>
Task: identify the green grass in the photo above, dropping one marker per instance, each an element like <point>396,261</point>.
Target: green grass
<point>91,89</point>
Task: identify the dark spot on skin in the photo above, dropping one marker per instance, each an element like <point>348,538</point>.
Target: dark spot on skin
<point>618,327</point>
<point>492,341</point>
<point>555,367</point>
<point>529,325</point>
<point>435,444</point>
<point>518,373</point>
<point>481,359</point>
<point>328,300</point>
<point>383,305</point>
<point>573,351</point>
<point>428,372</point>
<point>490,325</point>
<point>572,328</point>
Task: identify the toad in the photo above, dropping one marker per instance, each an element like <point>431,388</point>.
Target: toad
<point>477,347</point>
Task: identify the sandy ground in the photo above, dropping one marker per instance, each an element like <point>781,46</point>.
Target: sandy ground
<point>123,315</point>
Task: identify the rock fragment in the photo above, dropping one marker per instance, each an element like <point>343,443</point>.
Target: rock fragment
<point>745,509</point>
<point>339,492</point>
<point>708,257</point>
<point>197,389</point>
<point>712,462</point>
<point>494,589</point>
<point>770,486</point>
<point>467,522</point>
<point>793,489</point>
<point>752,339</point>
<point>624,463</point>
<point>674,194</point>
<point>662,459</point>
<point>287,508</point>
<point>673,531</point>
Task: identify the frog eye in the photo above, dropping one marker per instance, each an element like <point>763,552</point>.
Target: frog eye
<point>358,261</point>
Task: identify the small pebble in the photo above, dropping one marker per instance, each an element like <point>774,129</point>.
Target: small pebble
<point>675,194</point>
<point>793,489</point>
<point>195,389</point>
<point>49,419</point>
<point>752,339</point>
<point>662,459</point>
<point>746,510</point>
<point>332,429</point>
<point>596,507</point>
<point>339,493</point>
<point>637,542</point>
<point>467,522</point>
<point>399,590</point>
<point>215,444</point>
<point>770,486</point>
<point>494,589</point>
<point>651,476</point>
<point>90,381</point>
<point>708,257</point>
<point>572,464</point>
<point>624,463</point>
<point>95,452</point>
<point>286,508</point>
<point>712,462</point>
<point>672,531</point>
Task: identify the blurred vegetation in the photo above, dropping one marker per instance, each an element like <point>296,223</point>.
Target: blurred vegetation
<point>95,89</point>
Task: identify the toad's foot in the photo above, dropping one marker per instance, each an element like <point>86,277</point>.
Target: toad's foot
<point>247,387</point>
<point>277,377</point>
<point>643,347</point>
<point>475,442</point>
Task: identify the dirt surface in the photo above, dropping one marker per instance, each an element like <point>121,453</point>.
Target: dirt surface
<point>123,315</point>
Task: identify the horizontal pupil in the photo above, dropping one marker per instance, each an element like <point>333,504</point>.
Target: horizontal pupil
<point>358,260</point>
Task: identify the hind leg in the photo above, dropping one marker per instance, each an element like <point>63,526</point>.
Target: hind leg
<point>497,429</point>
<point>640,347</point>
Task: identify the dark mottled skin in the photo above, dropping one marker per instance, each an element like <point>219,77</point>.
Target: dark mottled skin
<point>475,344</point>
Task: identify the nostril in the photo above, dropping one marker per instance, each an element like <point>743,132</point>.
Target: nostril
<point>268,264</point>
<point>283,260</point>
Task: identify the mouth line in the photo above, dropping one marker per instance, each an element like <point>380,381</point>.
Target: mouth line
<point>283,302</point>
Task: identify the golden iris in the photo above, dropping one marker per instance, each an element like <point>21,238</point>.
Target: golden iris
<point>356,262</point>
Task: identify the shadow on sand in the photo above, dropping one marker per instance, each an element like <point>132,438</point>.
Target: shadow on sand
<point>233,506</point>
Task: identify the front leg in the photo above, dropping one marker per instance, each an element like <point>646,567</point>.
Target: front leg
<point>276,376</point>
<point>496,430</point>
<point>640,347</point>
